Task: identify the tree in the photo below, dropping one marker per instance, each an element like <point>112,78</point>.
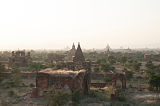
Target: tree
<point>149,65</point>
<point>123,59</point>
<point>129,74</point>
<point>15,78</point>
<point>56,97</point>
<point>2,68</point>
<point>108,80</point>
<point>154,82</point>
<point>136,65</point>
<point>96,69</point>
<point>35,67</point>
<point>101,61</point>
<point>111,59</point>
<point>107,67</point>
<point>60,65</point>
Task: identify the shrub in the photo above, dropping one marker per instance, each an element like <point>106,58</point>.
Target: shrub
<point>76,96</point>
<point>11,93</point>
<point>93,93</point>
<point>154,82</point>
<point>4,103</point>
<point>31,85</point>
<point>56,97</point>
<point>96,69</point>
<point>23,84</point>
<point>121,95</point>
<point>108,80</point>
<point>98,95</point>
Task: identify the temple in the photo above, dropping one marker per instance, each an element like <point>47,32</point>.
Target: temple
<point>75,76</point>
<point>71,53</point>
<point>19,58</point>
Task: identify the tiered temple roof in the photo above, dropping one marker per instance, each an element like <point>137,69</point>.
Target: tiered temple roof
<point>79,55</point>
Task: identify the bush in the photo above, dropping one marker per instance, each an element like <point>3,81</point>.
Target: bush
<point>8,84</point>
<point>1,79</point>
<point>98,95</point>
<point>96,69</point>
<point>93,93</point>
<point>56,97</point>
<point>4,103</point>
<point>31,85</point>
<point>129,74</point>
<point>154,82</point>
<point>121,95</point>
<point>108,80</point>
<point>11,93</point>
<point>121,98</point>
<point>76,96</point>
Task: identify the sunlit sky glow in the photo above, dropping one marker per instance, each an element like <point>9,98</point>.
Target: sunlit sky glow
<point>55,24</point>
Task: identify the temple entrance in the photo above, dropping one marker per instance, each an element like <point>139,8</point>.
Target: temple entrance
<point>119,80</point>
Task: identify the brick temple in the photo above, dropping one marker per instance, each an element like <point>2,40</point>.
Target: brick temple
<point>20,58</point>
<point>76,76</point>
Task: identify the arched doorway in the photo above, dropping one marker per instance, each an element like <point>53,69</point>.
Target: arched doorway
<point>121,77</point>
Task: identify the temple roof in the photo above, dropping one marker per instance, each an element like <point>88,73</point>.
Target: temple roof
<point>73,47</point>
<point>79,54</point>
<point>60,72</point>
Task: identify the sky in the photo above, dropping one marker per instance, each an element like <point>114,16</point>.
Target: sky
<point>56,24</point>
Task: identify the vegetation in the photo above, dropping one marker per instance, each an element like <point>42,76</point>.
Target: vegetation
<point>107,67</point>
<point>2,68</point>
<point>76,97</point>
<point>129,74</point>
<point>56,97</point>
<point>154,82</point>
<point>123,59</point>
<point>104,63</point>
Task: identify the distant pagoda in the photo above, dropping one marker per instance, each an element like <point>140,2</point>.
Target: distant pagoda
<point>71,53</point>
<point>79,55</point>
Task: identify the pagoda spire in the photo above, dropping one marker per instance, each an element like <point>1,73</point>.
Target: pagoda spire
<point>73,46</point>
<point>79,54</point>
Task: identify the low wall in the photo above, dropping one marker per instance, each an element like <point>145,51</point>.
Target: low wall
<point>98,85</point>
<point>100,76</point>
<point>23,74</point>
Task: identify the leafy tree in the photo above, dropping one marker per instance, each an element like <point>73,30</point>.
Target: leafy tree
<point>136,65</point>
<point>129,74</point>
<point>108,80</point>
<point>96,69</point>
<point>15,78</point>
<point>149,65</point>
<point>150,72</point>
<point>107,67</point>
<point>101,61</point>
<point>76,97</point>
<point>111,59</point>
<point>123,59</point>
<point>37,66</point>
<point>2,68</point>
<point>56,97</point>
<point>154,82</point>
<point>60,65</point>
<point>55,56</point>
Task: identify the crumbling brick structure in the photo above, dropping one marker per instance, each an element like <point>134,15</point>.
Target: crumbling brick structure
<point>79,63</point>
<point>115,77</point>
<point>121,77</point>
<point>60,79</point>
<point>78,76</point>
<point>70,54</point>
<point>19,58</point>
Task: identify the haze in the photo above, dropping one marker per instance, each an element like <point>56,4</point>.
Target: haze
<point>56,24</point>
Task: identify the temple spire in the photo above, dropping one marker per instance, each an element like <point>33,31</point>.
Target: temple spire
<point>79,54</point>
<point>73,47</point>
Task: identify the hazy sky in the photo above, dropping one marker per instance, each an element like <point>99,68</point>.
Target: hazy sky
<point>55,24</point>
